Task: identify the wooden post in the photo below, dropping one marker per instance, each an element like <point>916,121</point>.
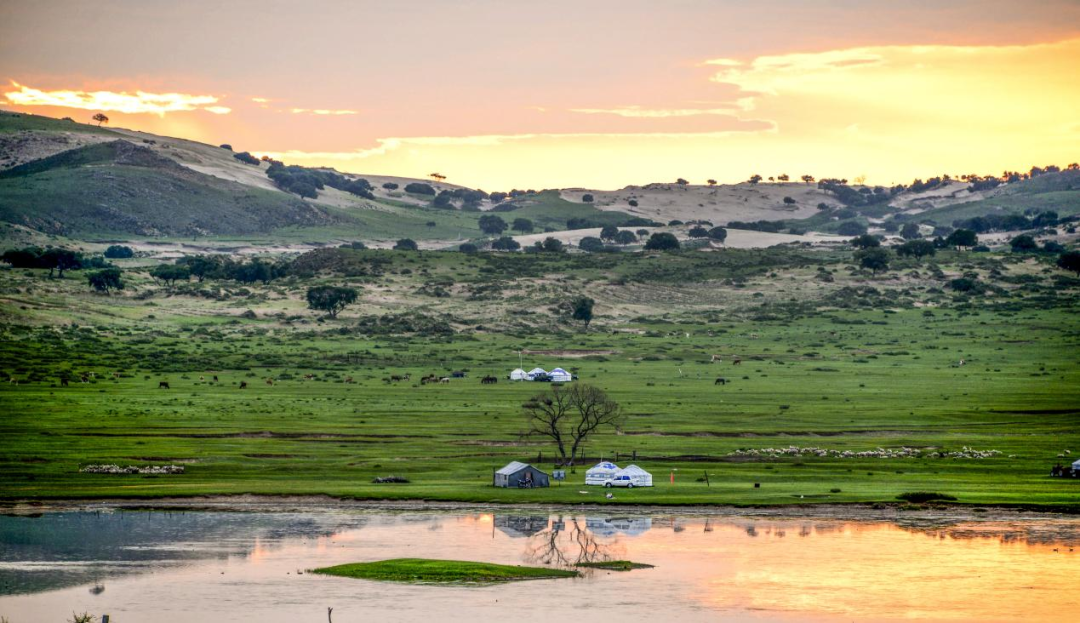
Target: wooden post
<point>707,484</point>
<point>635,456</point>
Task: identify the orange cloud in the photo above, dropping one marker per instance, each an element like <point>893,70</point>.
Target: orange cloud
<point>323,111</point>
<point>138,102</point>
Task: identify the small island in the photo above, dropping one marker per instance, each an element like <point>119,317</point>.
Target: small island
<point>441,571</point>
<point>614,565</point>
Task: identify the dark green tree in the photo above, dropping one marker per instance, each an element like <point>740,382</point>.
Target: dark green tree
<point>865,241</point>
<point>718,234</point>
<point>910,231</point>
<point>491,224</point>
<point>698,231</point>
<point>662,241</point>
<point>587,198</point>
<point>60,260</point>
<point>506,243</point>
<point>119,252</point>
<point>468,247</point>
<point>625,237</point>
<point>608,232</point>
<point>962,238</point>
<point>331,299</point>
<point>523,225</point>
<point>406,244</point>
<point>591,244</point>
<point>1070,261</point>
<point>552,245</point>
<point>583,310</point>
<point>170,273</point>
<point>1024,244</point>
<point>875,259</point>
<point>917,249</point>
<point>106,280</point>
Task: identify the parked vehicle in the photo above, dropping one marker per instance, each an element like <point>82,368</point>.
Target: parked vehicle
<point>619,481</point>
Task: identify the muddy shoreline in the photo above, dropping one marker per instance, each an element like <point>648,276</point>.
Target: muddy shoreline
<point>948,513</point>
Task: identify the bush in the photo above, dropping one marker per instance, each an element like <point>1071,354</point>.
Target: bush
<point>591,244</point>
<point>662,241</point>
<point>419,188</point>
<point>851,228</point>
<point>116,252</point>
<point>246,158</point>
<point>587,198</point>
<point>718,234</point>
<point>468,247</point>
<point>506,243</point>
<point>390,186</point>
<point>698,232</point>
<point>405,244</point>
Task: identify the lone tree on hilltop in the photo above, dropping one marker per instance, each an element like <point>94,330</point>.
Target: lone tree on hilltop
<point>711,182</point>
<point>331,299</point>
<point>569,416</point>
<point>100,118</point>
<point>809,179</point>
<point>587,198</point>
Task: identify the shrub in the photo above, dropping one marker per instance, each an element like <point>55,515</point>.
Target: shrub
<point>591,244</point>
<point>851,228</point>
<point>587,198</point>
<point>405,244</point>
<point>390,186</point>
<point>117,251</point>
<point>468,247</point>
<point>918,497</point>
<point>662,241</point>
<point>419,188</point>
<point>246,158</point>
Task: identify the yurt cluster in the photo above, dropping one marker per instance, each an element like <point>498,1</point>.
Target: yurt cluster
<point>558,375</point>
<point>605,473</point>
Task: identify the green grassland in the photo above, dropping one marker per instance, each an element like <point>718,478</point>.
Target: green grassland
<point>441,571</point>
<point>832,358</point>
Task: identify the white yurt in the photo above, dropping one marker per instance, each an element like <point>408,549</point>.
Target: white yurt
<point>519,375</point>
<point>558,375</point>
<point>638,476</point>
<point>600,472</point>
<point>535,372</point>
<point>1076,465</point>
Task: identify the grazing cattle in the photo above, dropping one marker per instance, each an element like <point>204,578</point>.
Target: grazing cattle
<point>202,379</point>
<point>163,385</point>
<point>720,381</point>
<point>403,377</point>
<point>116,375</point>
<point>458,374</point>
<point>243,384</point>
<point>716,359</point>
<point>349,380</point>
<point>309,377</point>
<point>444,379</point>
<point>269,381</point>
<point>13,380</point>
<point>91,375</point>
<point>215,378</point>
<point>84,379</point>
<point>63,382</point>
<point>489,380</point>
<point>736,362</point>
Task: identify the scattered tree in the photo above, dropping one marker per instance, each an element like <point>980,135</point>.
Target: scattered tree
<point>419,188</point>
<point>910,231</point>
<point>662,241</point>
<point>468,247</point>
<point>718,234</point>
<point>506,243</point>
<point>874,259</point>
<point>625,237</point>
<point>569,416</point>
<point>962,238</point>
<point>754,179</point>
<point>331,299</point>
<point>405,244</point>
<point>583,310</point>
<point>523,225</point>
<point>100,118</point>
<point>1070,261</point>
<point>851,228</point>
<point>170,273</point>
<point>587,198</point>
<point>390,186</point>
<point>106,280</point>
<point>591,244</point>
<point>809,179</point>
<point>697,231</point>
<point>551,245</point>
<point>492,225</point>
<point>608,232</point>
<point>118,252</point>
<point>789,201</point>
<point>865,241</point>
<point>711,182</point>
<point>633,203</point>
<point>1024,243</point>
<point>917,249</point>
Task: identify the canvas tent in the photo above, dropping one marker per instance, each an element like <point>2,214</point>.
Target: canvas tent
<point>600,472</point>
<point>638,476</point>
<point>535,372</point>
<point>520,475</point>
<point>558,375</point>
<point>519,375</point>
<point>1076,465</point>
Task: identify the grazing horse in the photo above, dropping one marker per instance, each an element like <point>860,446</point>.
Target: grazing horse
<point>269,381</point>
<point>403,377</point>
<point>444,379</point>
<point>309,377</point>
<point>736,361</point>
<point>489,380</point>
<point>215,378</point>
<point>720,381</point>
<point>63,382</point>
<point>243,384</point>
<point>716,359</point>
<point>202,379</point>
<point>163,385</point>
<point>349,380</point>
<point>84,379</point>
<point>116,375</point>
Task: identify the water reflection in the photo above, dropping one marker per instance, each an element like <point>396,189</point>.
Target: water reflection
<point>244,566</point>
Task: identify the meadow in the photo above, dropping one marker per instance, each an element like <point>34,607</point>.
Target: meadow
<point>827,363</point>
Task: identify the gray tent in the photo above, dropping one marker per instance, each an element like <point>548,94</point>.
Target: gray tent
<point>522,475</point>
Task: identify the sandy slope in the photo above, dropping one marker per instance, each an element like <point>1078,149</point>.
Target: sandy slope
<point>719,204</point>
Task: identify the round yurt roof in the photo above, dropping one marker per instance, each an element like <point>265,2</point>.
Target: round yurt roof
<point>604,465</point>
<point>538,371</point>
<point>1076,464</point>
<point>633,469</point>
<point>559,370</point>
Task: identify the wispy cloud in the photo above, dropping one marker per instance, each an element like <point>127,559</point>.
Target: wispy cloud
<point>322,111</point>
<point>637,112</point>
<point>112,101</point>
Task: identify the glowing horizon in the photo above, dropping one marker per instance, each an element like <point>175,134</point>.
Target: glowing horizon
<point>885,106</point>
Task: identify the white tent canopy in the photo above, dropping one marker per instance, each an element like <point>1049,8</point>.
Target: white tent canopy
<point>638,476</point>
<point>519,375</point>
<point>536,372</point>
<point>600,472</point>
<point>558,375</point>
<point>1076,464</point>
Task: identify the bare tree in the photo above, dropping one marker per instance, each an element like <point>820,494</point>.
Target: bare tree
<point>569,416</point>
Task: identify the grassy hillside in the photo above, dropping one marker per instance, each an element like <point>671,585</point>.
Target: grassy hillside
<point>119,188</point>
<point>1059,192</point>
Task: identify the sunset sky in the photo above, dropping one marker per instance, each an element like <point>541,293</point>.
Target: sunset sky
<point>499,93</point>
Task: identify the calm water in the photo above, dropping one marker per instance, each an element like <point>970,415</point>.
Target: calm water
<point>222,566</point>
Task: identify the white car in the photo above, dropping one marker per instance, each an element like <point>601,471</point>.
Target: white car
<point>619,481</point>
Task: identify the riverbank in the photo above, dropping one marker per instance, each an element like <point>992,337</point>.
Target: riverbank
<point>291,504</point>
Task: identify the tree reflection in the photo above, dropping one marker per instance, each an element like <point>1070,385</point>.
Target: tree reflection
<point>567,543</point>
